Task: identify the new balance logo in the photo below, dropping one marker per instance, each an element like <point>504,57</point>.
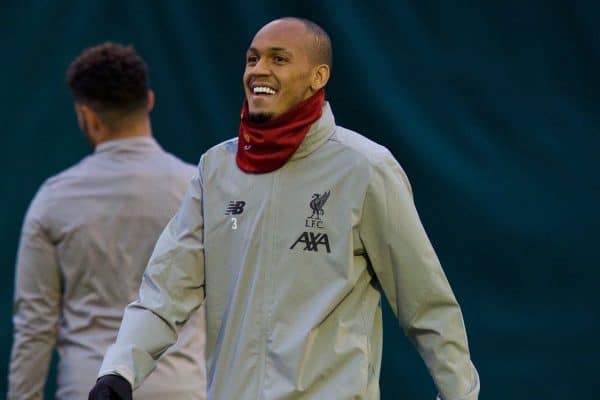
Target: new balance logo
<point>235,207</point>
<point>312,241</point>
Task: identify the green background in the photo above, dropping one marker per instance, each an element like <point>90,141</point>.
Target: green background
<point>491,107</point>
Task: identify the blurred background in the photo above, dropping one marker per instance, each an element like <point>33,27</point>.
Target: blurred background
<point>492,108</point>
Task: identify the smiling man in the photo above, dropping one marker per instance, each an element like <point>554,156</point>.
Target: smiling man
<point>290,234</point>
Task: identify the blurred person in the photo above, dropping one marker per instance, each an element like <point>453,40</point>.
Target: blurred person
<point>87,237</point>
<point>290,233</point>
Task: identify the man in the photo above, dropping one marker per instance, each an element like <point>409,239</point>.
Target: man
<point>88,234</point>
<point>290,233</point>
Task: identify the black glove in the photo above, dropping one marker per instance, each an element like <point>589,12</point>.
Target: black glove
<point>111,387</point>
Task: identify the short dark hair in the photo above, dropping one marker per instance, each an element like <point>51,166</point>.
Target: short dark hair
<point>322,42</point>
<point>109,77</point>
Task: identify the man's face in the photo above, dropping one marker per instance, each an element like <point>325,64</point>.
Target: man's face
<point>279,69</point>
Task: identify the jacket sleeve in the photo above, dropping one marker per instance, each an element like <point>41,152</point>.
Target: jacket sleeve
<point>36,307</point>
<point>172,288</point>
<point>413,281</point>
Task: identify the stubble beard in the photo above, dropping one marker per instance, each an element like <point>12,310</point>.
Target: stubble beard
<point>259,118</point>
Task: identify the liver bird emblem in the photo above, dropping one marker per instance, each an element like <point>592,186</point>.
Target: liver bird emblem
<point>317,203</point>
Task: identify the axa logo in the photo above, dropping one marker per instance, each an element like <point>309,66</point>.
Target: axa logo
<point>312,241</point>
<point>315,219</point>
<point>235,207</point>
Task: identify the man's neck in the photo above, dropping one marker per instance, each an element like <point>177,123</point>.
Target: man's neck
<point>139,128</point>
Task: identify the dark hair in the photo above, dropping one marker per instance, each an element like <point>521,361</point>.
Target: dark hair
<point>109,77</point>
<point>322,41</point>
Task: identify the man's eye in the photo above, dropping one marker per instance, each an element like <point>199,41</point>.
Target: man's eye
<point>279,59</point>
<point>251,59</point>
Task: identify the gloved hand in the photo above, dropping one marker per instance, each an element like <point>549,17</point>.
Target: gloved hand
<point>111,387</point>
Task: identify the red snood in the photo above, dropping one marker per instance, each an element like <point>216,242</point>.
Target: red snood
<point>266,146</point>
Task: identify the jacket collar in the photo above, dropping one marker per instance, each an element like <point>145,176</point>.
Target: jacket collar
<point>140,144</point>
<point>318,133</point>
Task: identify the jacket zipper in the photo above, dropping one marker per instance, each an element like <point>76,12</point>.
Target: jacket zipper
<point>271,239</point>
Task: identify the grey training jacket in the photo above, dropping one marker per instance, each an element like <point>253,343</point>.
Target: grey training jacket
<point>84,246</point>
<point>291,265</point>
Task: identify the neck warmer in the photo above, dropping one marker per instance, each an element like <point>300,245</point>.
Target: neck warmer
<point>266,146</point>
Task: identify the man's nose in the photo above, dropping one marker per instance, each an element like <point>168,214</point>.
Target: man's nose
<point>261,67</point>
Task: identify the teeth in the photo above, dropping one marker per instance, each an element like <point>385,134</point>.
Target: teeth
<point>262,89</point>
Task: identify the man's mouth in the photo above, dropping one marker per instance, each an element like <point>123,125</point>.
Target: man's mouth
<point>263,90</point>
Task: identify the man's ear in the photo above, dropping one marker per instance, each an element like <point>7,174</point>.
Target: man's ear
<point>89,118</point>
<point>320,77</point>
<point>79,114</point>
<point>151,100</point>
